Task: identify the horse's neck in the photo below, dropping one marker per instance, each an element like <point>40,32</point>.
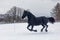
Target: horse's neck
<point>31,16</point>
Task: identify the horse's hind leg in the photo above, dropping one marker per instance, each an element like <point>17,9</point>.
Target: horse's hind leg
<point>42,28</point>
<point>46,28</point>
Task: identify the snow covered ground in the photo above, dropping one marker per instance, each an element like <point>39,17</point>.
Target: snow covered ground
<point>18,31</point>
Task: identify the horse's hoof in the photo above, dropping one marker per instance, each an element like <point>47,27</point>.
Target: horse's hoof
<point>29,29</point>
<point>35,30</point>
<point>46,30</point>
<point>41,30</point>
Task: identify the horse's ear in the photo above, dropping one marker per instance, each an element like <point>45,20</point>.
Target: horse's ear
<point>28,10</point>
<point>25,11</point>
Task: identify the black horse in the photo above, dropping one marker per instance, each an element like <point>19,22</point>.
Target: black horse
<point>33,21</point>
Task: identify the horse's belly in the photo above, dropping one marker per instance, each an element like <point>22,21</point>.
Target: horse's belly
<point>34,23</point>
<point>37,23</point>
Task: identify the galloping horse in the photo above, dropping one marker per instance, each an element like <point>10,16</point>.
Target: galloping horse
<point>34,21</point>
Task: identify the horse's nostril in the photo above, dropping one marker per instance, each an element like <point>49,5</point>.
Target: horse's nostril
<point>22,17</point>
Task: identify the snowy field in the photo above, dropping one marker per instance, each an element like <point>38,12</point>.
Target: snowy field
<point>18,31</point>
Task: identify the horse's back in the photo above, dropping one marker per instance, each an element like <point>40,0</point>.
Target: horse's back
<point>42,20</point>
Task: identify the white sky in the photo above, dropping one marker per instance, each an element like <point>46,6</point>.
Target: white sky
<point>37,7</point>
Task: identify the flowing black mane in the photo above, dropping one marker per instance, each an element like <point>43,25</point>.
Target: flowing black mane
<point>33,21</point>
<point>29,14</point>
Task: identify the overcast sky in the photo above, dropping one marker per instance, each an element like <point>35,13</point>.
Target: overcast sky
<point>37,7</point>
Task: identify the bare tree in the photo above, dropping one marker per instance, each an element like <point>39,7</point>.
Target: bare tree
<point>56,12</point>
<point>14,14</point>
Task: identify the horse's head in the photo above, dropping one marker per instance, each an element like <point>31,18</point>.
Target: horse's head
<point>28,14</point>
<point>24,14</point>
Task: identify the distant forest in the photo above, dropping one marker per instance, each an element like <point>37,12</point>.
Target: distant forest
<point>13,16</point>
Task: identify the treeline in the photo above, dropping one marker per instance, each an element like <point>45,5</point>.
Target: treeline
<point>13,15</point>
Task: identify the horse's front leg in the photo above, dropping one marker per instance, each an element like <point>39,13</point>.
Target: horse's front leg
<point>32,29</point>
<point>28,27</point>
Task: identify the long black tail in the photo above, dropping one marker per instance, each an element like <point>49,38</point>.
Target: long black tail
<point>51,20</point>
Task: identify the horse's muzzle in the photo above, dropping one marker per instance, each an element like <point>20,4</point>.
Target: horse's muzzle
<point>22,17</point>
